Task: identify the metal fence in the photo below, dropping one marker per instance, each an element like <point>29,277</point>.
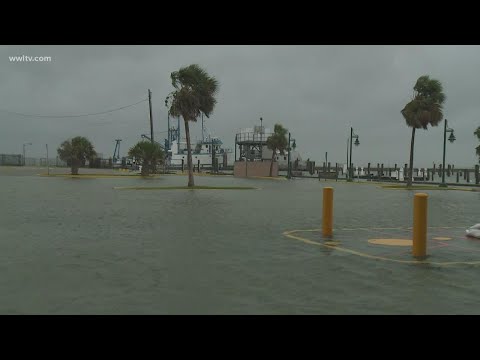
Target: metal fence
<point>11,159</point>
<point>42,162</point>
<point>17,160</point>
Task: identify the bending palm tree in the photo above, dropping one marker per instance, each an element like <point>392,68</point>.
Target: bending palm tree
<point>277,141</point>
<point>194,94</point>
<point>426,108</point>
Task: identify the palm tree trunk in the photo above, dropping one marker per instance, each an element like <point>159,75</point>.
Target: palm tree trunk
<point>191,183</point>
<point>74,167</point>
<point>271,163</point>
<point>410,171</point>
<point>145,168</point>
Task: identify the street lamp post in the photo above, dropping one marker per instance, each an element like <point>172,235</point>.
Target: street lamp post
<point>261,139</point>
<point>168,124</point>
<point>289,173</point>
<point>24,152</point>
<point>352,135</point>
<point>451,138</point>
<point>348,164</point>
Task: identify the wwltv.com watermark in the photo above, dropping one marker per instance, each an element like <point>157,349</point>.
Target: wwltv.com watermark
<point>26,58</point>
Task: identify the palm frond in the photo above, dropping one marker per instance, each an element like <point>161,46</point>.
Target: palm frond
<point>426,108</point>
<point>278,140</point>
<point>78,148</point>
<point>477,133</point>
<point>146,151</point>
<point>195,93</point>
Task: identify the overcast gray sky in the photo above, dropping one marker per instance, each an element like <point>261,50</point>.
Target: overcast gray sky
<point>317,92</point>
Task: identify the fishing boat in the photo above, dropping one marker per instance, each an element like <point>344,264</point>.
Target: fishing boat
<point>203,152</point>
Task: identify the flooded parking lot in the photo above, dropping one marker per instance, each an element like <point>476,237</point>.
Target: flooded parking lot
<point>81,246</point>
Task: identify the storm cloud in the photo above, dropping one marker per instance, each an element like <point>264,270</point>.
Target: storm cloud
<point>317,92</point>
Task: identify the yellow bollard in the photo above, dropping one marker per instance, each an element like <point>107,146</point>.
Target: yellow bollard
<point>327,218</point>
<point>420,225</point>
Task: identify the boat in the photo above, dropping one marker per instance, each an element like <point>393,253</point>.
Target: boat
<point>474,231</point>
<point>203,152</point>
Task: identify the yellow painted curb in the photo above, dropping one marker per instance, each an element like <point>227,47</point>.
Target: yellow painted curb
<point>183,188</point>
<point>92,176</point>
<point>391,242</point>
<point>266,178</point>
<point>424,188</point>
<point>198,174</point>
<point>290,234</point>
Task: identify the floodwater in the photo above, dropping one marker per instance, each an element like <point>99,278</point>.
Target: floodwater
<point>79,246</point>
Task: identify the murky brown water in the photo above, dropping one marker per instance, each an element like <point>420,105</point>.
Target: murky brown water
<point>78,246</point>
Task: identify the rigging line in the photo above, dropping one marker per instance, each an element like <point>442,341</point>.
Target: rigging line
<point>72,116</point>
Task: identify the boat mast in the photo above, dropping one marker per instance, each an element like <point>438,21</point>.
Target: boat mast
<point>169,141</point>
<point>178,129</point>
<point>203,137</point>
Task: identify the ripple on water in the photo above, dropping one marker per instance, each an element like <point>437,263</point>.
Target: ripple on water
<point>88,248</point>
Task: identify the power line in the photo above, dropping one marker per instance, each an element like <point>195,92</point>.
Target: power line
<point>72,116</point>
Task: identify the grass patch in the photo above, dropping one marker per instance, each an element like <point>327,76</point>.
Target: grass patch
<point>86,176</point>
<point>185,188</point>
<point>267,177</point>
<point>198,174</point>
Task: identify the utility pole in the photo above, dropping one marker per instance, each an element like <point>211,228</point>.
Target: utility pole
<point>203,136</point>
<point>24,152</point>
<point>151,117</point>
<point>178,132</point>
<point>351,169</point>
<point>348,164</point>
<point>169,141</point>
<point>169,136</point>
<point>261,139</point>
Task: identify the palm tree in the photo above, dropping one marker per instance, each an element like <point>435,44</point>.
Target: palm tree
<point>426,108</point>
<point>194,94</point>
<point>277,142</point>
<point>149,155</point>
<point>477,132</point>
<point>75,152</point>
